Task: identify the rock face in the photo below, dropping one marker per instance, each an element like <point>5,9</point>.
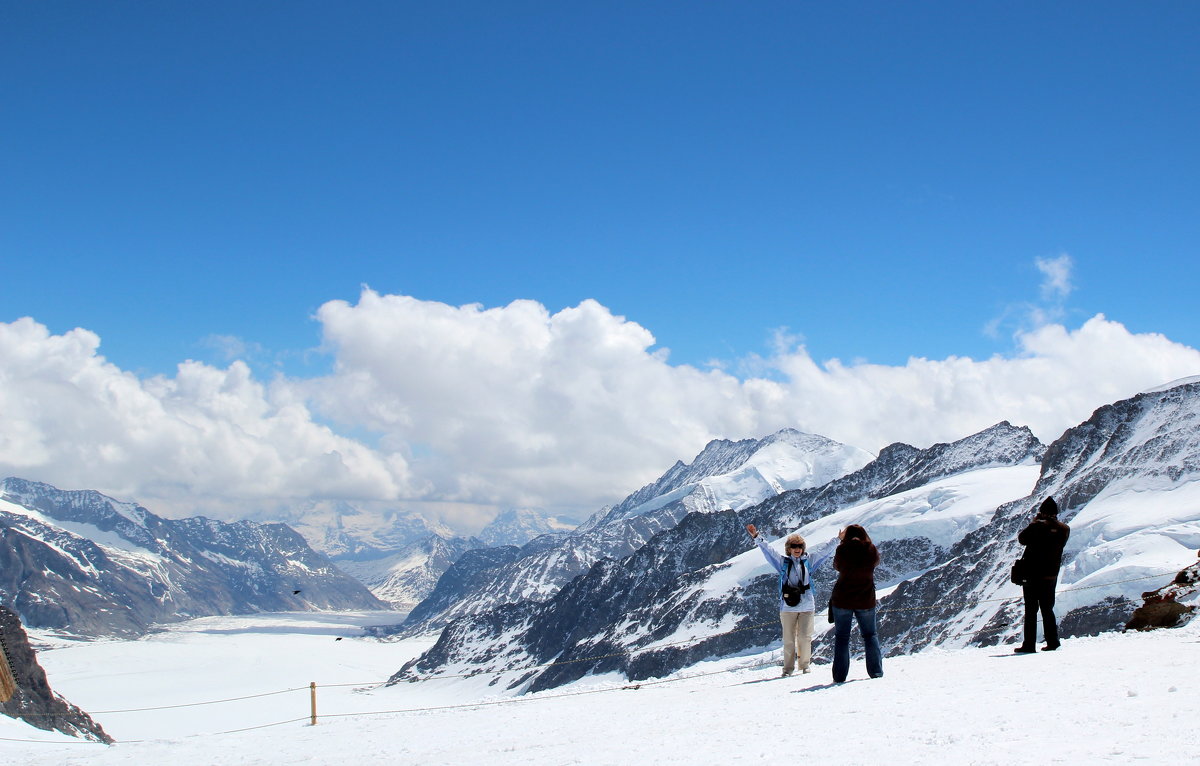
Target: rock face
<point>646,614</point>
<point>83,563</point>
<point>724,475</point>
<point>1171,605</point>
<point>34,701</point>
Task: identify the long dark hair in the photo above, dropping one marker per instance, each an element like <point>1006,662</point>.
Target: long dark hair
<point>857,532</point>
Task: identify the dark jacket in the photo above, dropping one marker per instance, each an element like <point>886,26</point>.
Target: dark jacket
<point>1044,540</point>
<point>855,561</point>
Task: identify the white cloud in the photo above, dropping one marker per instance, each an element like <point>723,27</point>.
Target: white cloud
<point>508,406</point>
<point>1055,288</point>
<point>205,436</point>
<point>1056,277</point>
<point>231,348</point>
<point>519,406</point>
<point>1056,381</point>
<point>516,405</point>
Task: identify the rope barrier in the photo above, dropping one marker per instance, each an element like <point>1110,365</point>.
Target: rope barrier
<point>1018,598</point>
<point>513,700</point>
<point>200,704</point>
<point>44,742</point>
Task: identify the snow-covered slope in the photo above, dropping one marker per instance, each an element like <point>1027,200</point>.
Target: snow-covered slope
<point>740,474</point>
<point>1112,699</point>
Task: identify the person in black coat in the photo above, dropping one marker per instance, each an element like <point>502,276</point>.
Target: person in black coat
<point>1044,540</point>
<point>853,598</point>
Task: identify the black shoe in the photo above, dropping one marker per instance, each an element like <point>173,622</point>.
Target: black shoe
<point>1050,647</point>
<point>1024,650</point>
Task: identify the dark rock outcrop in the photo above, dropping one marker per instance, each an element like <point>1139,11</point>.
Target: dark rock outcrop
<point>1163,608</point>
<point>34,701</point>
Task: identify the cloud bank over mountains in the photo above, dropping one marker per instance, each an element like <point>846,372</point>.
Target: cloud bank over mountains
<point>456,407</point>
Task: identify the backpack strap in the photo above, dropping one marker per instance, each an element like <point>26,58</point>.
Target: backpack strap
<point>805,576</point>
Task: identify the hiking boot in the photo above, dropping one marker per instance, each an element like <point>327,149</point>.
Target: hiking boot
<point>1050,647</point>
<point>1024,649</point>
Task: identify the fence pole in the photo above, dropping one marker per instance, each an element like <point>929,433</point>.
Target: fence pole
<point>312,688</point>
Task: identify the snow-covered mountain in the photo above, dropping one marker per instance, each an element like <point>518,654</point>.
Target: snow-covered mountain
<point>724,475</point>
<point>406,577</point>
<point>83,563</point>
<point>345,532</point>
<point>518,526</point>
<point>945,520</point>
<point>399,555</point>
<point>739,474</point>
<point>702,576</point>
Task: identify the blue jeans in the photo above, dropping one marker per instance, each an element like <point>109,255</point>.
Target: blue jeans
<point>841,642</point>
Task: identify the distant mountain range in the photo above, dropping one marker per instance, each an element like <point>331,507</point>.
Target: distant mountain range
<point>89,565</point>
<point>945,519</point>
<point>401,555</point>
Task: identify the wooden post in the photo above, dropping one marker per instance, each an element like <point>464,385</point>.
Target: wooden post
<point>312,688</point>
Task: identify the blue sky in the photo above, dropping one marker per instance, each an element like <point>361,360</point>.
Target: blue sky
<point>196,180</point>
<point>877,177</point>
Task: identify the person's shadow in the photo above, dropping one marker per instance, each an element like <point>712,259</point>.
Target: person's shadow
<point>830,685</point>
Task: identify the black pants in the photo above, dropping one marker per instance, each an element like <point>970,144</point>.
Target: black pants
<point>1039,597</point>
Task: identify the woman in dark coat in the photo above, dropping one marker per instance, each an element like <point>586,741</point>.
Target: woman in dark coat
<point>854,599</point>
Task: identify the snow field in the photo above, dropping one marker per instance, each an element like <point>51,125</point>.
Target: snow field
<point>1117,698</point>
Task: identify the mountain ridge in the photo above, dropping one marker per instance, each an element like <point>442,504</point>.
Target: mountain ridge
<point>81,562</point>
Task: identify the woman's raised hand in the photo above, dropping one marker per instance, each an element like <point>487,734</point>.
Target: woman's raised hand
<point>753,530</point>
